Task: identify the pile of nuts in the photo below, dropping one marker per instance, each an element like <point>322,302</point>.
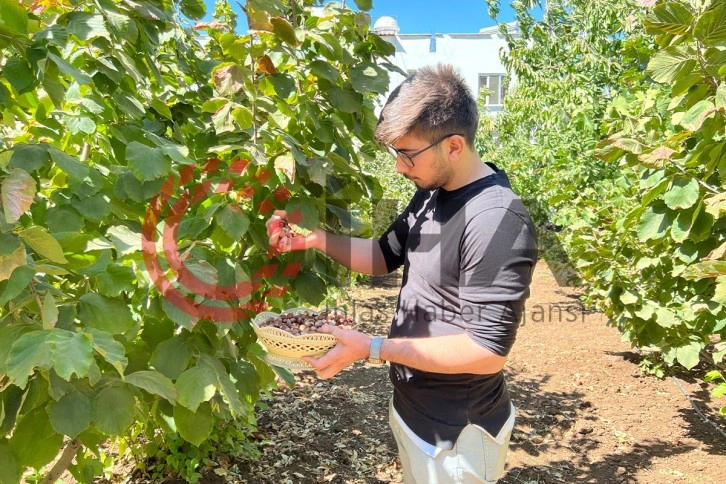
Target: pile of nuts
<point>309,322</point>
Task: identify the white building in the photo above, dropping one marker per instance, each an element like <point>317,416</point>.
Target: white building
<point>475,55</point>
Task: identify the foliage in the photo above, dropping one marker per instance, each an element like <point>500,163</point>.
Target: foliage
<point>615,131</point>
<point>486,141</point>
<point>397,192</point>
<point>139,163</point>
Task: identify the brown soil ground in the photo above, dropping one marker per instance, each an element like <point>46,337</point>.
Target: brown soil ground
<point>585,413</point>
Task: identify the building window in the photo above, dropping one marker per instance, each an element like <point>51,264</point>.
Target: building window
<point>495,83</point>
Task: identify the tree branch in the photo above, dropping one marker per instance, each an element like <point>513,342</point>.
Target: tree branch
<point>69,453</point>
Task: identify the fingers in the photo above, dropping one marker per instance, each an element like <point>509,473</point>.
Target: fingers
<point>326,328</point>
<point>323,369</point>
<point>281,238</point>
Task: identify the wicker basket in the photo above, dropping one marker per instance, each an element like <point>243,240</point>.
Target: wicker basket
<point>285,349</point>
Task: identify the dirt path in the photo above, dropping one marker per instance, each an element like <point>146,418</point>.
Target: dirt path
<point>585,412</point>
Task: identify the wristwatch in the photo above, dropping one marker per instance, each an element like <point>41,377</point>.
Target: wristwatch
<point>375,356</point>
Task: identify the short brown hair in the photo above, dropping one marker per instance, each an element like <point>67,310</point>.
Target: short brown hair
<point>431,103</point>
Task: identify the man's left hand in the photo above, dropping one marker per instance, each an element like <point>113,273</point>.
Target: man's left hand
<point>352,346</point>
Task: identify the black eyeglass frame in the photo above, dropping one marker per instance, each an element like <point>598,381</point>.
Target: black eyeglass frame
<point>408,159</point>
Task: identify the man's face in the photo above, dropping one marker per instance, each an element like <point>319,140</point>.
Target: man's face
<point>431,169</point>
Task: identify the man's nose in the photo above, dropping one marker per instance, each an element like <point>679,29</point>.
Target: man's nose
<point>401,166</point>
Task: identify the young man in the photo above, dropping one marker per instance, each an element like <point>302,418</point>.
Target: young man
<point>468,250</point>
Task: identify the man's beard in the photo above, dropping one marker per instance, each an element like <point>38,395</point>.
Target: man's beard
<point>442,174</point>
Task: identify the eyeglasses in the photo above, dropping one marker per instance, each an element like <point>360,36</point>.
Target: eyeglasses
<point>408,159</point>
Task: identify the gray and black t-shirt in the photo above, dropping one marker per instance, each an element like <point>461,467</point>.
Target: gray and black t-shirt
<point>468,257</point>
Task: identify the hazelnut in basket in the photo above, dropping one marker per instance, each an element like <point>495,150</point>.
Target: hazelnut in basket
<point>289,336</point>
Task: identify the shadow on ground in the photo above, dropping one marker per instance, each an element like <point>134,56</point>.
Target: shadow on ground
<point>544,417</point>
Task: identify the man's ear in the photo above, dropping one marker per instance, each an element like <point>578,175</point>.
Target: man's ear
<point>457,145</point>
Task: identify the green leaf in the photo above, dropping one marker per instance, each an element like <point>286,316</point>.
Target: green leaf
<point>688,355</point>
<point>18,192</point>
<point>234,223</point>
<point>694,117</point>
<point>670,64</point>
<point>243,117</point>
<point>711,27</point>
<point>719,391</point>
<point>69,70</point>
<point>71,353</point>
<point>153,382</point>
<point>20,75</point>
<point>368,77</point>
<point>654,222</point>
<point>19,280</point>
<point>35,443</point>
<point>310,288</point>
<point>111,350</point>
<point>147,163</point>
<point>203,270</point>
<point>114,410</point>
<point>284,31</point>
<point>72,414</point>
<point>43,244</point>
<point>80,124</point>
<point>721,96</point>
<point>682,225</point>
<point>115,280</point>
<point>125,240</point>
<point>104,313</point>
<point>283,84</point>
<point>196,385</point>
<point>629,298</point>
<point>325,70</point>
<point>194,9</point>
<point>9,469</point>
<point>719,351</point>
<point>194,427</point>
<point>702,225</point>
<point>63,219</point>
<point>683,193</point>
<point>12,255</point>
<point>13,18</point>
<point>669,17</point>
<point>161,108</point>
<point>178,315</point>
<point>50,311</point>
<point>29,351</point>
<point>87,26</point>
<point>665,317</point>
<point>700,270</point>
<point>345,100</point>
<point>29,157</point>
<point>629,145</point>
<point>712,375</point>
<point>303,212</point>
<point>171,357</point>
<point>364,4</point>
<point>129,104</point>
<point>95,208</point>
<point>68,164</point>
<point>226,387</point>
<point>719,294</point>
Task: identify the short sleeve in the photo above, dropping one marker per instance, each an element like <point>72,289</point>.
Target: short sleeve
<point>393,241</point>
<point>498,255</point>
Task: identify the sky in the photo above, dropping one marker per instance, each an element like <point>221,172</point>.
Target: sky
<point>426,16</point>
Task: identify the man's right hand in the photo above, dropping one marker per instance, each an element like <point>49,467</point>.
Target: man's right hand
<point>283,239</point>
